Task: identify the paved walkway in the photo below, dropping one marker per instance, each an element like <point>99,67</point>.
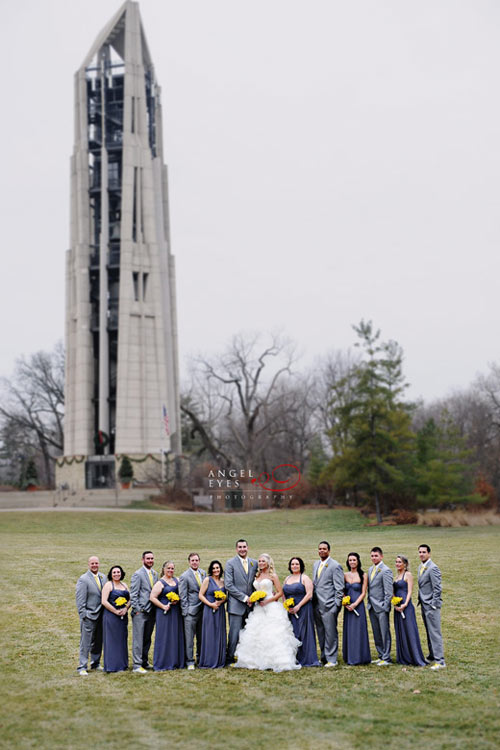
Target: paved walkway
<point>61,499</point>
<point>88,501</point>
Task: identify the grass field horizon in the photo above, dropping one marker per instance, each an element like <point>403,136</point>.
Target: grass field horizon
<point>46,704</point>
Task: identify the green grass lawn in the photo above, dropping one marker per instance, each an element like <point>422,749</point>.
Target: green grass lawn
<point>45,704</point>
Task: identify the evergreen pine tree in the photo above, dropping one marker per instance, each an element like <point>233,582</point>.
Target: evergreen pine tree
<point>126,471</point>
<point>372,438</point>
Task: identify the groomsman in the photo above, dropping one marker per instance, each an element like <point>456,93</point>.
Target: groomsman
<point>191,607</point>
<point>429,598</point>
<point>328,583</point>
<point>143,612</point>
<point>88,603</point>
<point>238,578</point>
<point>380,593</point>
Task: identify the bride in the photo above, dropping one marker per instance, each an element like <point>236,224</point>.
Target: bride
<point>267,641</point>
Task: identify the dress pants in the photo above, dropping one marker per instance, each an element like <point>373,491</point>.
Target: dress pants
<point>192,628</point>
<point>90,642</point>
<point>143,624</point>
<point>236,622</point>
<point>328,637</point>
<point>381,633</point>
<point>432,622</point>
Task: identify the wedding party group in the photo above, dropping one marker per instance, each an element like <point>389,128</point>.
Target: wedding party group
<point>272,626</point>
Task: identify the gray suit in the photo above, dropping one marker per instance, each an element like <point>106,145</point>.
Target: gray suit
<point>239,586</point>
<point>380,593</point>
<point>192,611</point>
<point>88,604</point>
<point>429,599</point>
<point>143,615</point>
<point>327,602</point>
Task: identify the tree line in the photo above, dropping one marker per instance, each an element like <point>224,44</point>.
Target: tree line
<point>347,423</point>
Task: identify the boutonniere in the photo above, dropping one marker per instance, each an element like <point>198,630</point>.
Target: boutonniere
<point>251,564</point>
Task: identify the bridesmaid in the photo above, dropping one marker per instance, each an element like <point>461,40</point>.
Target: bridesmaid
<point>300,587</point>
<point>355,645</point>
<point>213,634</point>
<point>169,640</point>
<point>408,648</point>
<point>115,599</point>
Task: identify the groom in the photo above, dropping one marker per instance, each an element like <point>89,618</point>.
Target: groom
<point>238,577</point>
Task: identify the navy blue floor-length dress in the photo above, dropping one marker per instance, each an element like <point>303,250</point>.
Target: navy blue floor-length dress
<point>213,634</point>
<point>169,640</point>
<point>115,635</point>
<point>408,648</point>
<point>303,625</point>
<point>355,644</point>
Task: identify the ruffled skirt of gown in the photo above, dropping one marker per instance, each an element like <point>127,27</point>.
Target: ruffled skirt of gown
<point>267,641</point>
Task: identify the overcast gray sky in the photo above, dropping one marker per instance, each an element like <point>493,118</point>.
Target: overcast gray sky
<point>328,161</point>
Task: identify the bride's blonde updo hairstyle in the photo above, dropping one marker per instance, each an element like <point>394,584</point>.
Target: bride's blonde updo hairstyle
<point>269,560</point>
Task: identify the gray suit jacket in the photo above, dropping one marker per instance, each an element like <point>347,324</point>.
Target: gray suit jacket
<point>189,590</point>
<point>329,588</point>
<point>238,585</point>
<point>88,595</point>
<point>380,590</point>
<point>429,585</point>
<point>140,589</point>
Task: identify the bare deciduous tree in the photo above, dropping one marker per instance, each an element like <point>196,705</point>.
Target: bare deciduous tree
<point>32,408</point>
<point>239,399</point>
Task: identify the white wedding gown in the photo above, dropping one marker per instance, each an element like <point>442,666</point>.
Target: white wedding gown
<point>267,640</point>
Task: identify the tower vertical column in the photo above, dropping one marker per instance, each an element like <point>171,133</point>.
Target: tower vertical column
<point>103,418</point>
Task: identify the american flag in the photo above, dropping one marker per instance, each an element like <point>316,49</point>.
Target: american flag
<point>165,420</point>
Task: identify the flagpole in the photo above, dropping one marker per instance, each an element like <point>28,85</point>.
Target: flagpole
<point>162,451</point>
<point>165,431</point>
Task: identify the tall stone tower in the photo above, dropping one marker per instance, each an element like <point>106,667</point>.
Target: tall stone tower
<point>122,387</point>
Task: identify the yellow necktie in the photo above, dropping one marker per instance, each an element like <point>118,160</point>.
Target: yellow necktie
<point>197,576</point>
<point>423,567</point>
<point>98,581</point>
<point>245,565</point>
<point>150,578</point>
<point>320,570</point>
<point>373,573</point>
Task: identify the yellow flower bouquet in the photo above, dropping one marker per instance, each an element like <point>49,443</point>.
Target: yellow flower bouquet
<point>120,602</point>
<point>396,601</point>
<point>257,596</point>
<point>347,600</point>
<point>288,604</point>
<point>219,596</point>
<point>173,598</point>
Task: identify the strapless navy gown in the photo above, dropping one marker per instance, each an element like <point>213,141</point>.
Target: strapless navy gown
<point>303,626</point>
<point>408,648</point>
<point>115,635</point>
<point>355,645</point>
<point>169,639</point>
<point>213,634</point>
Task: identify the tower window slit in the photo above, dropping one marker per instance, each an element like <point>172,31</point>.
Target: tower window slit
<point>134,208</point>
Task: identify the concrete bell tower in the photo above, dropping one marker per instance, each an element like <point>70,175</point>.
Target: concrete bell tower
<point>122,383</point>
